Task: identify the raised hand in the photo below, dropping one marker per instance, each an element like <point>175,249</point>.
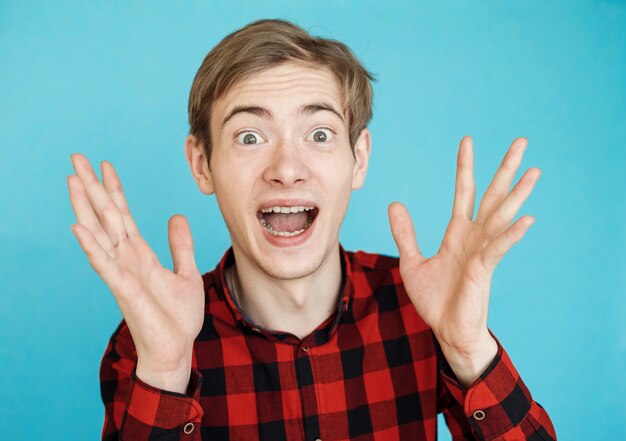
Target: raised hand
<point>451,290</point>
<point>164,310</point>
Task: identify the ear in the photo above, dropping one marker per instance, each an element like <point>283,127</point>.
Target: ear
<point>199,164</point>
<point>361,154</point>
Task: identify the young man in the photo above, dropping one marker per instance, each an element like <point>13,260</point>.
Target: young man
<point>291,337</point>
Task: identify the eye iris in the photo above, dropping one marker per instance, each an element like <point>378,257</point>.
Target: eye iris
<point>319,136</point>
<point>249,139</point>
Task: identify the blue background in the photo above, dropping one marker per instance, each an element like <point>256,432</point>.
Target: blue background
<point>111,79</point>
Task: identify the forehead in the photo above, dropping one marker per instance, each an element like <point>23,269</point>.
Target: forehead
<point>285,86</point>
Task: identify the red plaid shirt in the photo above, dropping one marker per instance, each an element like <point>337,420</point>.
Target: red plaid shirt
<point>371,371</point>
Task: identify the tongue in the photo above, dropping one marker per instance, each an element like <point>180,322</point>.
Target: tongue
<point>288,222</point>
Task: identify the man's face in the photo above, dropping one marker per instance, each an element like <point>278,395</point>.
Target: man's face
<point>282,168</point>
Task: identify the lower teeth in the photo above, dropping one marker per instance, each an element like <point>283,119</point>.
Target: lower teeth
<point>273,232</point>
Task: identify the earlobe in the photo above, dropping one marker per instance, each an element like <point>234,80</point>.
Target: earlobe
<point>362,148</point>
<point>198,164</point>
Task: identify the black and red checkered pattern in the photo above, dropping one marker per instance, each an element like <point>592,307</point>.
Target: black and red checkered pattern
<point>371,371</point>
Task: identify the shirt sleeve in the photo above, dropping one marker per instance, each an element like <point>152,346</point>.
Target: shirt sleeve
<point>135,410</point>
<point>497,406</point>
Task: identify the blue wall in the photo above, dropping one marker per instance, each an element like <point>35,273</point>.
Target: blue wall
<point>110,79</point>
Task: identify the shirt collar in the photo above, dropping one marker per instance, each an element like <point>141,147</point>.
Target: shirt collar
<point>320,335</point>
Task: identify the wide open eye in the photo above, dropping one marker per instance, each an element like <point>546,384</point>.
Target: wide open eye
<point>249,138</point>
<point>321,135</point>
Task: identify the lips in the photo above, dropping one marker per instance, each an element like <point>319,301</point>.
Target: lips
<point>287,219</point>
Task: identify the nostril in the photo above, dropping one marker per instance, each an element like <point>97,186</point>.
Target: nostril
<point>281,181</point>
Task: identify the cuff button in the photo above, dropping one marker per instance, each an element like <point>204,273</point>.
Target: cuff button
<point>188,428</point>
<point>479,415</point>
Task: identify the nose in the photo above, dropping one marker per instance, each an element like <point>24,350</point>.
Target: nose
<point>287,166</point>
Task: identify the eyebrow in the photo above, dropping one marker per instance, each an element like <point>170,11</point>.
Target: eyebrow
<point>310,109</point>
<point>261,112</point>
<point>254,110</point>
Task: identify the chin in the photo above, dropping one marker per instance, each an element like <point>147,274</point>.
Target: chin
<point>289,267</point>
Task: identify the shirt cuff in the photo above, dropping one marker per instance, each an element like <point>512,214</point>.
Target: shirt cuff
<point>149,407</point>
<point>497,401</point>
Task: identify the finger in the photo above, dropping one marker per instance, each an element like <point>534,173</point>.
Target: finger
<point>108,213</point>
<point>403,232</point>
<point>465,191</point>
<point>85,214</point>
<point>98,257</point>
<point>113,185</point>
<point>502,216</point>
<point>181,246</point>
<point>494,252</point>
<point>499,186</point>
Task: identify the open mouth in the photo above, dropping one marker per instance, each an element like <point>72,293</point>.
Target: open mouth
<point>287,221</point>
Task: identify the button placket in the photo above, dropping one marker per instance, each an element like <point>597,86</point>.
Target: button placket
<point>308,393</point>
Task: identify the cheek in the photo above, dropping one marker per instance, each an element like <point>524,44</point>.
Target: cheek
<point>230,197</point>
<point>343,169</point>
<point>338,181</point>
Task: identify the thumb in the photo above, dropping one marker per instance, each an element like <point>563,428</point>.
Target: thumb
<point>403,232</point>
<point>181,245</point>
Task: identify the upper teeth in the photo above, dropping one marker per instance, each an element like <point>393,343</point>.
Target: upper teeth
<point>297,209</point>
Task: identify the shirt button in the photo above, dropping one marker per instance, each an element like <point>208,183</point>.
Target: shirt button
<point>306,348</point>
<point>188,428</point>
<point>479,415</point>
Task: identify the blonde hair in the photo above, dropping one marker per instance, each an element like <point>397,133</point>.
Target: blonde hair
<point>264,44</point>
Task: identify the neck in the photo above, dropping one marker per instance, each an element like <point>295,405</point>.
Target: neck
<point>297,306</point>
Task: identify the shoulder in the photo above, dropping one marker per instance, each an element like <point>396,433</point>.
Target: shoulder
<point>372,261</point>
<point>120,348</point>
<point>374,275</point>
<point>210,280</point>
<point>379,292</point>
<point>373,270</point>
<point>121,333</point>
<point>214,281</point>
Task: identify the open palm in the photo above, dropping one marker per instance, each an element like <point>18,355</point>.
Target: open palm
<point>163,308</point>
<point>451,290</point>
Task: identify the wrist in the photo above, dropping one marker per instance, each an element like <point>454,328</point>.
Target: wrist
<point>172,379</point>
<point>469,362</point>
